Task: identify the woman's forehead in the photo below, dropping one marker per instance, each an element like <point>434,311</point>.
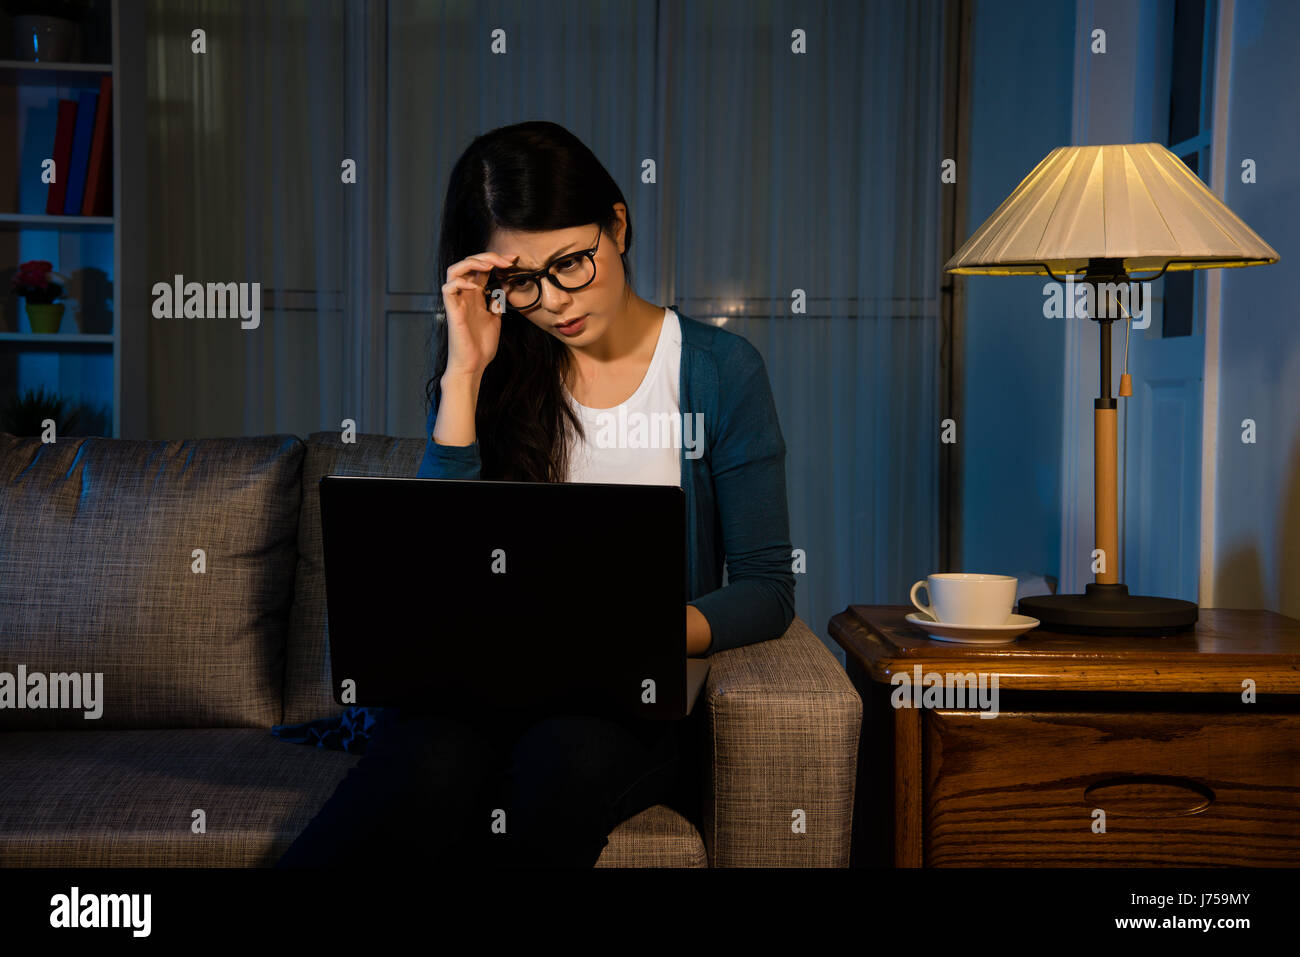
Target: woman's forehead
<point>535,248</point>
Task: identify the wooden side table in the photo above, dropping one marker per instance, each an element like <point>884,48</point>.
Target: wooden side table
<point>1151,731</point>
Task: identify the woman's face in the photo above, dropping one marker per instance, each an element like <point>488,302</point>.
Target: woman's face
<point>595,305</point>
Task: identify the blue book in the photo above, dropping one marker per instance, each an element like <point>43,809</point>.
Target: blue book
<point>80,162</point>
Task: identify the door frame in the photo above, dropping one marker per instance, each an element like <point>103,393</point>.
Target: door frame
<point>1213,311</point>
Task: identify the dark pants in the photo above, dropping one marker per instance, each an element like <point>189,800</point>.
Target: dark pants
<point>505,790</point>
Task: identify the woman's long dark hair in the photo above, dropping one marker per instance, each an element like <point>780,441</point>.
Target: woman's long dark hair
<point>531,177</point>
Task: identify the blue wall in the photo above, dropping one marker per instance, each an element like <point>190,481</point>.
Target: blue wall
<point>1257,499</point>
<point>1022,87</point>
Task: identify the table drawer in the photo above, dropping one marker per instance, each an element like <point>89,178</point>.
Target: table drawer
<point>1177,789</point>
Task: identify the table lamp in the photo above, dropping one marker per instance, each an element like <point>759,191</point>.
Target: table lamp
<point>1107,212</point>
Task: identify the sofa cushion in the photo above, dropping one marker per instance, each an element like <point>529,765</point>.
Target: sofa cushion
<point>127,799</point>
<point>97,577</point>
<point>307,693</point>
<point>657,837</point>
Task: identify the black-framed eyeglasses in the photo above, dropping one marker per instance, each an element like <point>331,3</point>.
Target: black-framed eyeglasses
<point>571,272</point>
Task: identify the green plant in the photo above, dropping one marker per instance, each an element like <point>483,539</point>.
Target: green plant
<point>23,416</point>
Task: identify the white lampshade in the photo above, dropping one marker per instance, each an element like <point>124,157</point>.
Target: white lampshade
<point>1136,202</point>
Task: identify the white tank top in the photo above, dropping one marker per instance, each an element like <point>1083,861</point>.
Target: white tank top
<point>637,442</point>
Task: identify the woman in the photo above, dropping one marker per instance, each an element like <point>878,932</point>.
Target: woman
<point>544,339</point>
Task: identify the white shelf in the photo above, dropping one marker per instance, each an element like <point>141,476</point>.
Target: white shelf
<point>126,45</point>
<point>52,74</point>
<point>62,222</point>
<point>58,338</point>
<point>54,66</point>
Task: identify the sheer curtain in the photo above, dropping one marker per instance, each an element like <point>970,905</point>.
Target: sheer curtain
<point>821,172</point>
<point>778,175</point>
<point>245,146</point>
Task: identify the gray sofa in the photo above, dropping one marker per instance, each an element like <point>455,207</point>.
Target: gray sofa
<point>189,575</point>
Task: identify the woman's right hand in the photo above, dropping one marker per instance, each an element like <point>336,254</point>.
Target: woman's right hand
<point>473,327</point>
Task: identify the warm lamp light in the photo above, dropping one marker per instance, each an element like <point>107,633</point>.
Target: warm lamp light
<point>1106,212</point>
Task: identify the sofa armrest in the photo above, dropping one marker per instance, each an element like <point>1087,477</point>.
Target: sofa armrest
<point>781,735</point>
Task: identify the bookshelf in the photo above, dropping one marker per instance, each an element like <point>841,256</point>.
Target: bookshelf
<point>103,255</point>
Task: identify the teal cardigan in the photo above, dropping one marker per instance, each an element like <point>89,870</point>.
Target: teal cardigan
<point>736,508</point>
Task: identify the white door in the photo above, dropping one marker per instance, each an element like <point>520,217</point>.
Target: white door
<point>1160,453</point>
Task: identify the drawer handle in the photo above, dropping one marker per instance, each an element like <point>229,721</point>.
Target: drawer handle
<point>1149,795</point>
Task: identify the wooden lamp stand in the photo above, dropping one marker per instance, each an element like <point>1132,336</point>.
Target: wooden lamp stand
<point>1106,607</point>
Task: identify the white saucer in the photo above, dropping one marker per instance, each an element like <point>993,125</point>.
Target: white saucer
<point>1014,627</point>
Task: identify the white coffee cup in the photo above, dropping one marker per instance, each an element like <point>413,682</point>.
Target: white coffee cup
<point>962,598</point>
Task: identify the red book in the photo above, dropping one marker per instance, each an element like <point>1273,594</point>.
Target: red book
<point>98,200</point>
<point>62,157</point>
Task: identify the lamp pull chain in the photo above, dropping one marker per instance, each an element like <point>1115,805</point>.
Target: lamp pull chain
<point>1126,380</point>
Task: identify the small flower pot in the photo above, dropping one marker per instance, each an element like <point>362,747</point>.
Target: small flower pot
<point>45,316</point>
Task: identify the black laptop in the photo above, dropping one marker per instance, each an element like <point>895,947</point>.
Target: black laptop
<point>469,596</point>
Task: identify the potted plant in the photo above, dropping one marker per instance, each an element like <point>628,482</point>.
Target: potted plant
<point>47,31</point>
<point>24,416</point>
<point>36,282</point>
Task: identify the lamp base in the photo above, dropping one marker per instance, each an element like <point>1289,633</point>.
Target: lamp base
<point>1110,610</point>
